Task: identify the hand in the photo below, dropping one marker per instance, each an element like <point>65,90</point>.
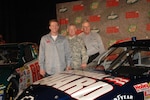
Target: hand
<point>42,72</point>
<point>83,65</point>
<point>100,68</point>
<point>68,68</point>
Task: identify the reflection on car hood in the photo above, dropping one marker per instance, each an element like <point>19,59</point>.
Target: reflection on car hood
<point>78,85</point>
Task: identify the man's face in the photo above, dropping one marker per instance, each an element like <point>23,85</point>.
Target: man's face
<point>86,27</point>
<point>72,30</point>
<point>54,28</point>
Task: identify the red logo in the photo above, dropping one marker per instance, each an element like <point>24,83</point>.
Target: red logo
<point>48,41</point>
<point>133,14</point>
<point>112,3</point>
<point>78,7</point>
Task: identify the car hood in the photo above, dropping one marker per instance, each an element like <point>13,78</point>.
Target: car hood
<point>79,85</point>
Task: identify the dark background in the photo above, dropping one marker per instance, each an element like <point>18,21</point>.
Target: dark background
<point>26,20</point>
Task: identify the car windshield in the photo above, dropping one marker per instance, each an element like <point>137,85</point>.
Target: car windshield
<point>9,55</point>
<point>111,56</point>
<point>125,57</point>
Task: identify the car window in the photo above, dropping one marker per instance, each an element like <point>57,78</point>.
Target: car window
<point>9,55</point>
<point>137,58</point>
<point>145,57</point>
<point>28,54</point>
<point>111,56</point>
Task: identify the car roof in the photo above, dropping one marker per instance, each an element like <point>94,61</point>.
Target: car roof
<point>16,44</point>
<point>137,43</point>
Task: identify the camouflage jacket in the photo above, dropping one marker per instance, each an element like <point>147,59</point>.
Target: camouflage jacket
<point>78,52</point>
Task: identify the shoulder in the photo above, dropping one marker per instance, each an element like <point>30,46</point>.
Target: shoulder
<point>81,35</point>
<point>45,36</point>
<point>96,35</point>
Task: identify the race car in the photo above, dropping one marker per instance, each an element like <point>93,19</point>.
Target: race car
<point>122,73</point>
<point>18,68</point>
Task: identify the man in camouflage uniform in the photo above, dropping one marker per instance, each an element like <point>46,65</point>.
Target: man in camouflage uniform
<point>78,50</point>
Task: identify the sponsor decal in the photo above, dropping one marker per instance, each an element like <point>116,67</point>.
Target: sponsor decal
<point>63,21</point>
<point>94,18</point>
<point>147,92</point>
<point>112,3</point>
<point>78,19</point>
<point>113,29</point>
<point>111,42</point>
<point>79,87</point>
<point>35,69</point>
<point>132,14</point>
<point>117,80</point>
<point>112,16</point>
<point>131,1</point>
<point>123,97</point>
<point>95,30</point>
<point>142,87</point>
<point>2,87</point>
<point>148,27</point>
<point>29,73</point>
<point>48,41</point>
<point>132,28</point>
<point>62,10</point>
<point>64,32</point>
<point>148,0</point>
<point>94,5</point>
<point>78,7</point>
<point>28,98</point>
